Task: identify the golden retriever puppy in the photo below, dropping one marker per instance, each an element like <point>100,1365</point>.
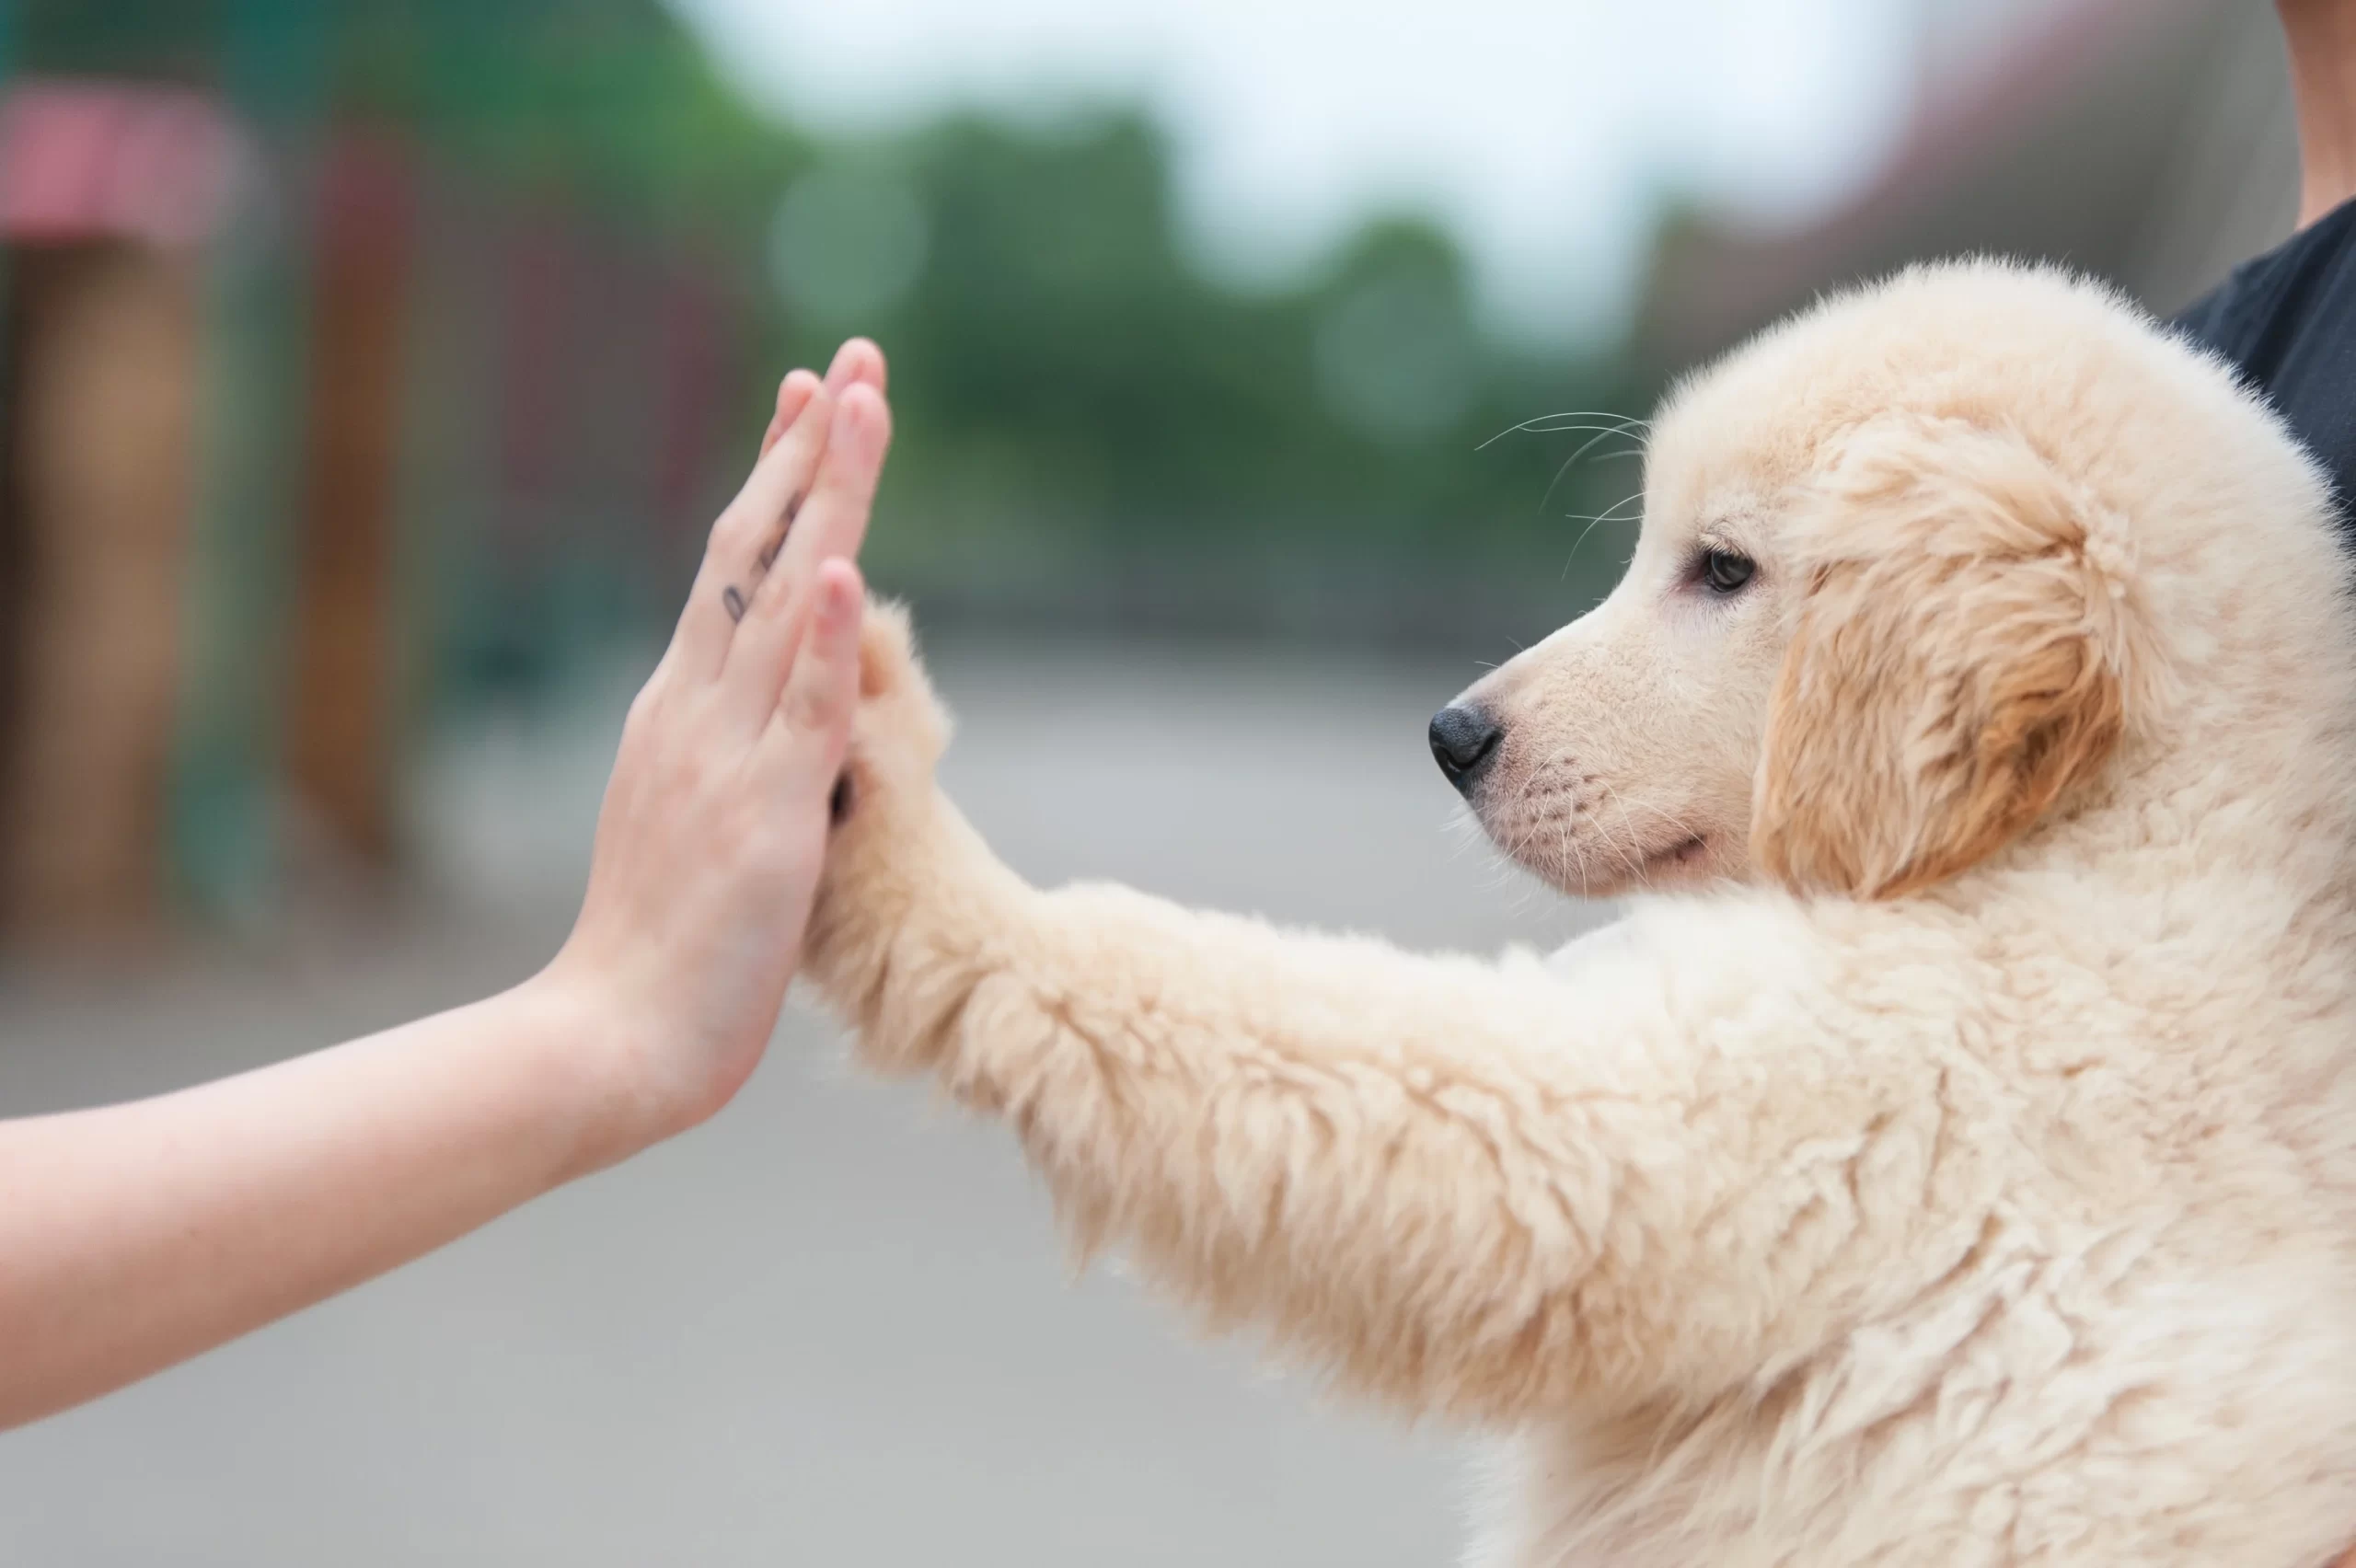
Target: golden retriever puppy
<point>1952,1159</point>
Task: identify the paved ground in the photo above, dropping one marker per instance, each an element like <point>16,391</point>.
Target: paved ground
<point>834,1326</point>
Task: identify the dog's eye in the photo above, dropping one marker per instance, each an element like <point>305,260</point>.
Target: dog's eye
<point>1726,571</point>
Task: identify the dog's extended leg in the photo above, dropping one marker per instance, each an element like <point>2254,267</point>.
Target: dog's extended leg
<point>1476,1187</point>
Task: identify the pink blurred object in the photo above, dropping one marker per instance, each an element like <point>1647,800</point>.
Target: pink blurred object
<point>89,160</point>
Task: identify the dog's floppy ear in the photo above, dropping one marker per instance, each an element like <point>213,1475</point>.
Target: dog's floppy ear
<point>1957,666</point>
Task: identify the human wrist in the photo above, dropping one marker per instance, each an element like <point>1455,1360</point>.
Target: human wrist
<point>597,1055</point>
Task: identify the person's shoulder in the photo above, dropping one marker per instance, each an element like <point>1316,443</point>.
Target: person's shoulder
<point>2253,297</point>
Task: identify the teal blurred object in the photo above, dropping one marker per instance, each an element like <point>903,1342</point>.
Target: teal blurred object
<point>219,818</point>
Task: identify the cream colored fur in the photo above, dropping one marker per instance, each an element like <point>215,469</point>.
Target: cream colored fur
<point>1960,1168</point>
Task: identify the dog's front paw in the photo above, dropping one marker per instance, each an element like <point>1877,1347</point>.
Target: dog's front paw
<point>901,729</point>
<point>894,837</point>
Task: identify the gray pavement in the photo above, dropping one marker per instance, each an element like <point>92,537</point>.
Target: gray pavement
<point>836,1325</point>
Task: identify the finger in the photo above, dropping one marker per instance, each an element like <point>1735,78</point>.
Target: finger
<point>792,396</point>
<point>834,515</point>
<point>858,360</point>
<point>745,538</point>
<point>813,713</point>
<point>832,522</point>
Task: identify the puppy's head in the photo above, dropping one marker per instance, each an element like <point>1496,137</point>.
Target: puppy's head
<point>1881,618</point>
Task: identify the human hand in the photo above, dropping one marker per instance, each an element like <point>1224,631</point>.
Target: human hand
<point>714,830</point>
<point>138,1235</point>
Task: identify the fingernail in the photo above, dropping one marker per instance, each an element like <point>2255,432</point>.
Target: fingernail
<point>837,598</point>
<point>785,389</point>
<point>854,415</point>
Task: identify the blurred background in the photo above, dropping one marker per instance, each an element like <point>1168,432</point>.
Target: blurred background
<point>369,373</point>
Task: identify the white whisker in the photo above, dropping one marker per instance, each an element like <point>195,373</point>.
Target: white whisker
<point>1544,423</point>
<point>1593,520</point>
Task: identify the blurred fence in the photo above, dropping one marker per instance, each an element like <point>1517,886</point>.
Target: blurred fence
<point>316,417</point>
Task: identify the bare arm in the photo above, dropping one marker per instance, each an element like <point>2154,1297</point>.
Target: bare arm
<point>1473,1188</point>
<point>134,1236</point>
<point>2321,37</point>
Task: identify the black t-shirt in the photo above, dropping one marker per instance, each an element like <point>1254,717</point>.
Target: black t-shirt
<point>2288,319</point>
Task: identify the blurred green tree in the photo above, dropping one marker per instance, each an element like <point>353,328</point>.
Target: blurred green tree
<point>1090,426</point>
<point>1084,415</point>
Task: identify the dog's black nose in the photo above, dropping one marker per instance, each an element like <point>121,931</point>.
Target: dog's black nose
<point>1464,742</point>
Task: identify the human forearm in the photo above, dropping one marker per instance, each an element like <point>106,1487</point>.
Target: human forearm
<point>134,1236</point>
<point>2321,36</point>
